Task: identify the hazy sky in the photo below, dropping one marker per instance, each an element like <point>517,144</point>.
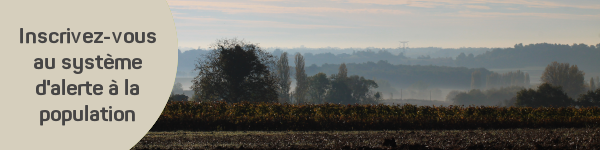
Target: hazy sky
<point>383,23</point>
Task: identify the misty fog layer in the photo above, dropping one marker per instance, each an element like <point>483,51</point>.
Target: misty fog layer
<point>435,75</point>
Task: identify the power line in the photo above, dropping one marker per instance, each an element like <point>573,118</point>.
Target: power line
<point>404,45</point>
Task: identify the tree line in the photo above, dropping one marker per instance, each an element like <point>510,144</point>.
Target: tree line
<point>236,71</point>
<point>405,75</point>
<point>319,88</point>
<point>563,85</point>
<point>497,80</point>
<point>538,54</point>
<point>519,55</point>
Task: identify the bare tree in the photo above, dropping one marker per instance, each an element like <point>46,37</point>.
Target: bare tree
<point>569,77</point>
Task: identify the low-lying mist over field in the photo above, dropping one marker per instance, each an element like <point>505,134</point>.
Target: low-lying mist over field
<point>432,76</point>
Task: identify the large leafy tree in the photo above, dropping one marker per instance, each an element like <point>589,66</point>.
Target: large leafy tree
<point>570,78</point>
<point>545,96</point>
<point>350,90</point>
<point>235,71</point>
<point>591,98</point>
<point>318,86</point>
<point>340,91</point>
<point>361,88</point>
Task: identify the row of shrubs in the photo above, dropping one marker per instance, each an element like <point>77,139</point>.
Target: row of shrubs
<point>211,116</point>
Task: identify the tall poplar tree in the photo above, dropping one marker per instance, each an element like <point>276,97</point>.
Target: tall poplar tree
<point>301,79</point>
<point>283,73</point>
